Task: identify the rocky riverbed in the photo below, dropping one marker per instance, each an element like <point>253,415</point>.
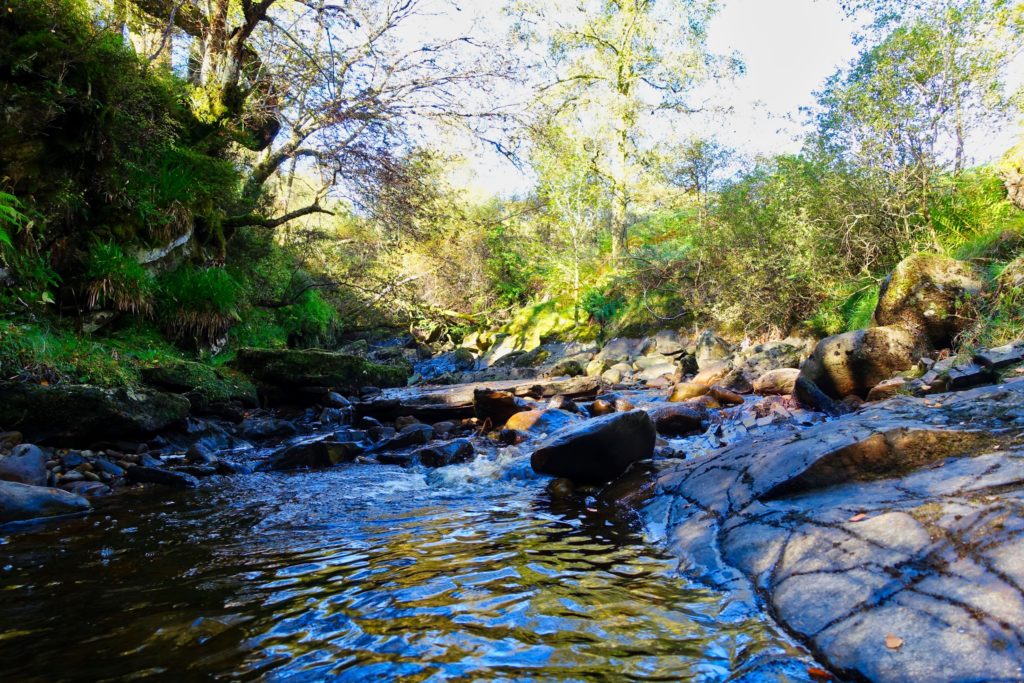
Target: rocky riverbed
<point>862,490</point>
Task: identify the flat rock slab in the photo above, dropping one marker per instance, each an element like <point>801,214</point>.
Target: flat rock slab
<point>890,540</point>
<point>456,401</point>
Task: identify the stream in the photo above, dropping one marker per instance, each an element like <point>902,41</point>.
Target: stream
<point>367,572</point>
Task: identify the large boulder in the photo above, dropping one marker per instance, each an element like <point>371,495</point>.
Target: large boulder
<point>622,349</point>
<point>22,501</point>
<point>711,348</point>
<point>852,363</point>
<point>668,343</point>
<point>77,413</point>
<point>300,368</point>
<point>598,450</point>
<point>320,452</point>
<point>25,464</point>
<point>889,540</point>
<point>931,294</point>
<point>211,391</point>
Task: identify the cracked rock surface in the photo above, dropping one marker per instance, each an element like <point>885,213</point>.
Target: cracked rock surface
<point>904,519</point>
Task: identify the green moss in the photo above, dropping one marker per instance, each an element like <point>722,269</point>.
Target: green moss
<point>51,354</point>
<point>314,368</point>
<point>207,384</point>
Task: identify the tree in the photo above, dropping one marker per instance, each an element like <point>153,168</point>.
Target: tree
<point>618,69</point>
<point>908,105</point>
<point>319,86</point>
<point>696,167</point>
<point>567,186</point>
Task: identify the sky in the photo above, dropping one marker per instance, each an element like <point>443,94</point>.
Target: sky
<point>789,48</point>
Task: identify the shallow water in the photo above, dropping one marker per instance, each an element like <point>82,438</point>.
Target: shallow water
<point>366,572</point>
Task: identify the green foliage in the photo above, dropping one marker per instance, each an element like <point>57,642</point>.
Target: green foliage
<point>11,217</point>
<point>309,319</point>
<point>602,307</point>
<point>259,329</point>
<point>972,217</point>
<point>850,307</point>
<point>507,268</point>
<point>116,280</point>
<point>100,145</point>
<point>198,305</point>
<point>45,354</point>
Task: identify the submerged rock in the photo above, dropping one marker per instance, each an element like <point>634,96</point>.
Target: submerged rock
<point>321,452</point>
<point>448,453</point>
<point>154,475</point>
<point>598,450</point>
<point>20,502</point>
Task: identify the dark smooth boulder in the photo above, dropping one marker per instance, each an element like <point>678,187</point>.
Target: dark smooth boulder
<point>154,475</point>
<point>25,464</point>
<point>598,450</point>
<point>448,453</point>
<point>413,435</point>
<point>76,413</point>
<point>267,428</point>
<point>87,489</point>
<point>22,501</point>
<point>322,452</point>
<point>809,395</point>
<point>678,419</point>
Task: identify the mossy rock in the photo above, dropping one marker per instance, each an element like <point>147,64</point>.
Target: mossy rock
<point>208,389</point>
<point>295,368</point>
<point>77,414</point>
<point>931,294</point>
<point>853,363</point>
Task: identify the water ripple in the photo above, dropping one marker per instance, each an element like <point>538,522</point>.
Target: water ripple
<point>363,574</point>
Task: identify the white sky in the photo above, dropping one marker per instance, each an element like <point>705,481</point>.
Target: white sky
<point>789,48</point>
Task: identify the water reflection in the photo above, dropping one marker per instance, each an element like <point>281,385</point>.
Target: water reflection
<point>363,573</point>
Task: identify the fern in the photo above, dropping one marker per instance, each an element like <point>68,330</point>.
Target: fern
<point>10,215</point>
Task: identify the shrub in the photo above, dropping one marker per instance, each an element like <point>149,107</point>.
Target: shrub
<point>198,304</point>
<point>53,355</point>
<point>116,280</point>
<point>310,319</point>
